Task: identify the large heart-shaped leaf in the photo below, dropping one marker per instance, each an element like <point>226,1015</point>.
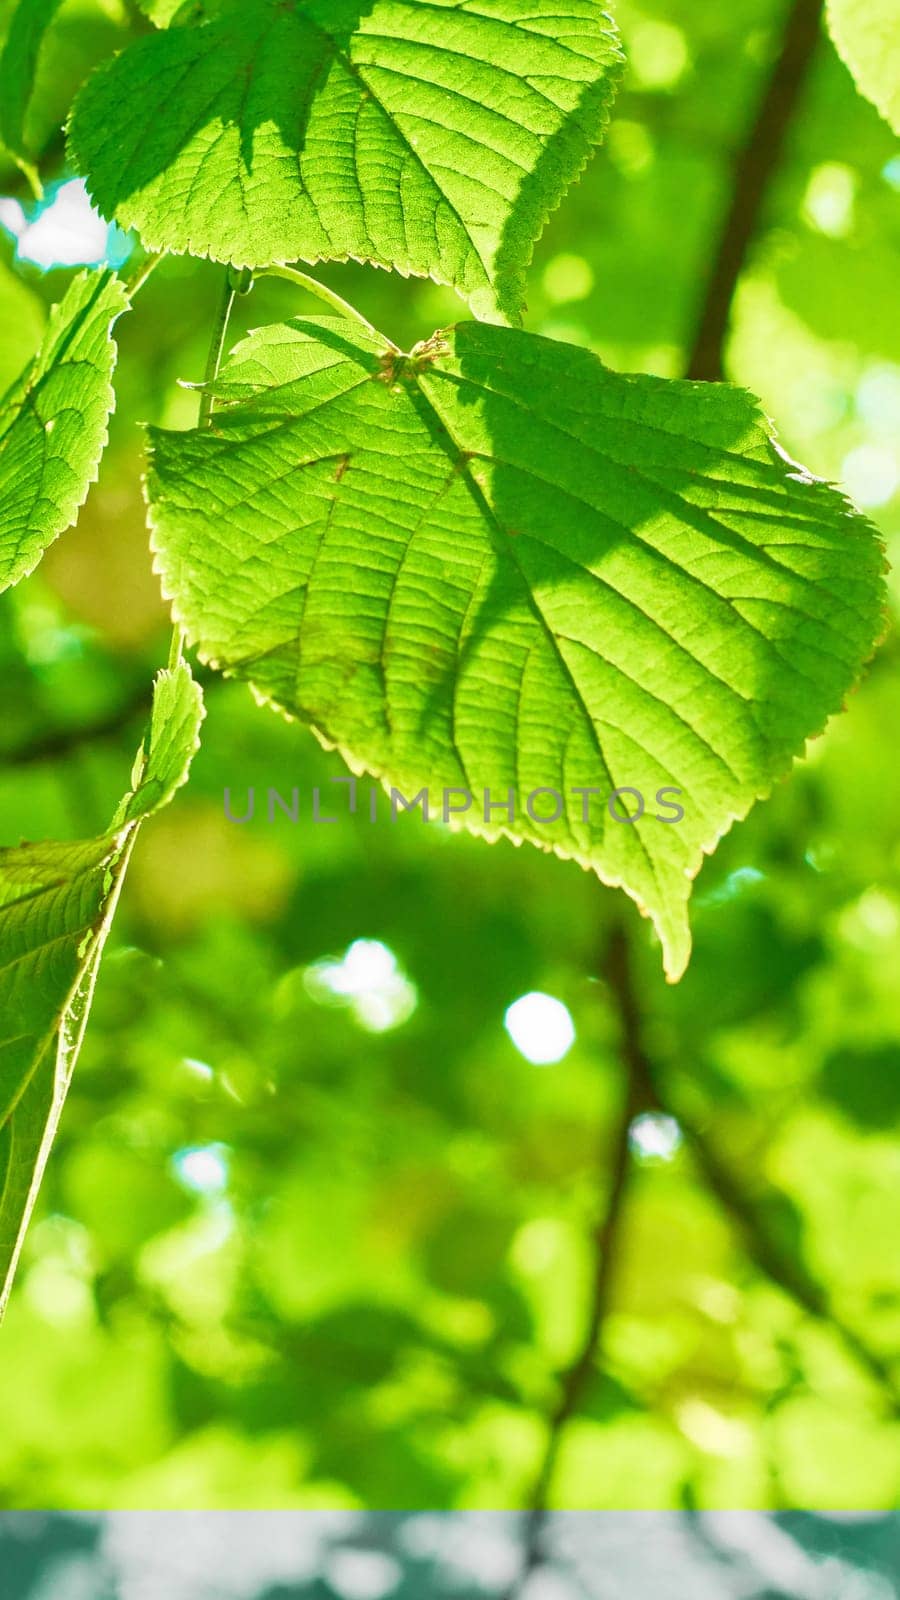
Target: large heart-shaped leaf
<point>56,907</point>
<point>433,136</point>
<point>496,565</point>
<point>53,423</point>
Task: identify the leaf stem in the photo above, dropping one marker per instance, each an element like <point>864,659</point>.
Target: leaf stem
<point>216,350</point>
<point>207,402</point>
<point>135,284</point>
<point>328,296</point>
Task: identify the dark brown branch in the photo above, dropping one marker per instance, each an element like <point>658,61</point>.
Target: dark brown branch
<point>780,1266</point>
<point>754,168</point>
<point>747,1214</point>
<point>615,1165</point>
<point>646,1090</point>
<point>63,742</point>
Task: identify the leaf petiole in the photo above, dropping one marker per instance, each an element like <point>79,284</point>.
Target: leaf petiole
<point>328,296</point>
<point>134,284</point>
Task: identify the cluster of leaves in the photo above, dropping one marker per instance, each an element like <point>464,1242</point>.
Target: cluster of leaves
<point>490,563</point>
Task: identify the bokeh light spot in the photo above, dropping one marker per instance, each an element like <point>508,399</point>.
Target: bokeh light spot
<point>871,475</point>
<point>830,198</point>
<point>65,230</point>
<point>658,52</point>
<point>654,1136</point>
<point>540,1027</point>
<point>369,981</point>
<point>567,278</point>
<point>878,398</point>
<point>363,1574</point>
<point>203,1169</point>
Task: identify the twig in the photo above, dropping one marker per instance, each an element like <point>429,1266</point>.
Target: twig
<point>62,742</point>
<point>616,1163</point>
<point>746,1214</point>
<point>754,168</point>
<point>782,1268</point>
<point>645,1090</point>
<point>216,349</point>
<point>214,355</point>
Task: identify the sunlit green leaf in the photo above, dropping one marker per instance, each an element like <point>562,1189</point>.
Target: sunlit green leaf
<point>53,423</point>
<point>430,137</point>
<point>18,63</point>
<point>56,907</point>
<point>494,565</point>
<point>867,34</point>
<point>164,12</point>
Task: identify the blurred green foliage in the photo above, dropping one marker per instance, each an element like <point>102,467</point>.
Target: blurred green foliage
<point>286,1258</point>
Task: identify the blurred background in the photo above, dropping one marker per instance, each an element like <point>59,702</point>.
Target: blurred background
<point>318,1231</point>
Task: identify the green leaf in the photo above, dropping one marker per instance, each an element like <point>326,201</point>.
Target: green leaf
<point>53,423</point>
<point>431,136</point>
<point>163,13</point>
<point>164,760</point>
<point>56,907</point>
<point>18,64</point>
<point>867,35</point>
<point>494,565</point>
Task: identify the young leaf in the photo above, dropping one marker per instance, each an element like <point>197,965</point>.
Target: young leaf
<point>56,906</point>
<point>432,136</point>
<point>18,62</point>
<point>867,35</point>
<point>496,565</point>
<point>53,423</point>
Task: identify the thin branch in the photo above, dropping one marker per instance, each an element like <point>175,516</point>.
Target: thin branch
<point>64,742</point>
<point>754,168</point>
<point>747,1215</point>
<point>615,1163</point>
<point>780,1266</point>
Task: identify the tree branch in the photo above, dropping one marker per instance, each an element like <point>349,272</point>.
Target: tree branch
<point>60,743</point>
<point>63,742</point>
<point>645,1090</point>
<point>780,1266</point>
<point>754,168</point>
<point>616,1162</point>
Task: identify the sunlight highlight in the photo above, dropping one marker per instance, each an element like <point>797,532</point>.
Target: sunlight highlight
<point>654,1137</point>
<point>203,1169</point>
<point>369,981</point>
<point>871,475</point>
<point>540,1027</point>
<point>64,230</point>
<point>830,200</point>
